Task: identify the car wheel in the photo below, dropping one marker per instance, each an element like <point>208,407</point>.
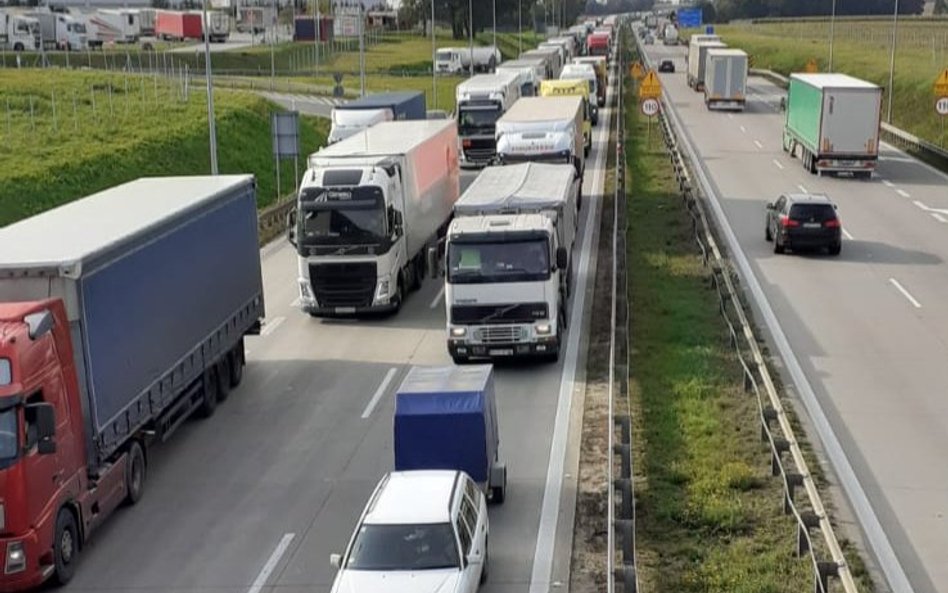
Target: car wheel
<point>767,235</point>
<point>485,568</point>
<point>65,546</point>
<point>835,248</point>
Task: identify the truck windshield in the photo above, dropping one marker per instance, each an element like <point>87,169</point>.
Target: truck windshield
<point>404,547</point>
<point>77,28</point>
<point>342,216</point>
<point>506,261</point>
<point>9,441</point>
<point>444,56</point>
<point>479,118</point>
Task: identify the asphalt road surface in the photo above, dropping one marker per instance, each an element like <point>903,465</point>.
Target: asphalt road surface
<point>869,328</point>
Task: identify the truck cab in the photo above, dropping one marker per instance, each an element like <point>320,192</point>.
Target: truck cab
<point>481,101</point>
<point>19,32</point>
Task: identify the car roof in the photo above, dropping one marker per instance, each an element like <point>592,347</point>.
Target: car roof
<point>421,496</point>
<point>812,198</point>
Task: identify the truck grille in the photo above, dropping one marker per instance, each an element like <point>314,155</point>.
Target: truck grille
<point>344,284</point>
<point>480,149</point>
<point>500,334</point>
<point>486,314</point>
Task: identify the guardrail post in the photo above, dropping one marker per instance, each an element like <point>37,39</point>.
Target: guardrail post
<point>625,427</point>
<point>808,520</point>
<point>624,452</point>
<point>626,529</point>
<point>824,570</point>
<point>624,486</point>
<point>626,574</point>
<point>792,480</point>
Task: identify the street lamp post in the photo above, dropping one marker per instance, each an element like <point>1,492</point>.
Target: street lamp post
<point>832,34</point>
<point>316,35</point>
<point>272,43</point>
<point>470,16</point>
<point>895,36</point>
<point>211,127</point>
<point>494,6</point>
<point>519,27</point>
<point>434,51</point>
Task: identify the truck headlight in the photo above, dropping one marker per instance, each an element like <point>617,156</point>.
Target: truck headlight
<point>16,558</point>
<point>381,293</point>
<point>458,332</point>
<point>543,329</point>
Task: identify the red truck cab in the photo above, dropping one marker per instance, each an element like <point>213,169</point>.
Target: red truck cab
<point>46,504</point>
<point>597,44</point>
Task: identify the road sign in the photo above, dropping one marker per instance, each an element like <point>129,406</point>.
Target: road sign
<point>650,107</point>
<point>637,71</point>
<point>651,87</point>
<point>941,106</point>
<point>689,18</point>
<point>941,84</point>
<point>812,66</point>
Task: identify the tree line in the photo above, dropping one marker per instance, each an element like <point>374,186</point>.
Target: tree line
<point>748,9</point>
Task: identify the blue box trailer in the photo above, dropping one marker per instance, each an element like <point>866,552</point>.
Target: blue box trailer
<point>446,418</point>
<point>161,281</point>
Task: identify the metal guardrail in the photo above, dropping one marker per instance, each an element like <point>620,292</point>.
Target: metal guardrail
<point>890,133</point>
<point>271,221</point>
<point>621,516</point>
<point>787,460</point>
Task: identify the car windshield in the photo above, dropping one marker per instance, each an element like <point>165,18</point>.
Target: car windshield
<point>342,216</point>
<point>478,118</point>
<point>404,547</point>
<point>9,441</point>
<point>812,212</point>
<point>509,261</point>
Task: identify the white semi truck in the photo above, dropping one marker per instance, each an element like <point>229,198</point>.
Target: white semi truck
<point>457,60</point>
<point>481,100</point>
<point>508,262</point>
<point>697,59</point>
<point>545,129</point>
<point>61,31</point>
<point>368,208</point>
<point>725,79</point>
<point>18,32</point>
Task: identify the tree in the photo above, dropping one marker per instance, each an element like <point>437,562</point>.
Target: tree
<point>941,7</point>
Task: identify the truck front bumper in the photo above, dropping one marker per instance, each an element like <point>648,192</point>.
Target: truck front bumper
<point>313,308</point>
<point>461,349</point>
<point>37,568</point>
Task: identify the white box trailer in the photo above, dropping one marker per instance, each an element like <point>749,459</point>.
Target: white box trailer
<point>725,79</point>
<point>119,25</point>
<point>543,129</point>
<point>552,56</point>
<point>508,262</point>
<point>367,208</point>
<point>697,60</point>
<point>533,71</point>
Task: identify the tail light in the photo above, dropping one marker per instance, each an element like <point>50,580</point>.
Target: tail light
<point>832,223</point>
<point>787,222</point>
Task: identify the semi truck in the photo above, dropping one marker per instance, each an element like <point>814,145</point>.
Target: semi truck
<point>116,25</point>
<point>577,88</point>
<point>697,60</point>
<point>587,72</point>
<point>602,75</point>
<point>457,60</point>
<point>368,208</point>
<point>121,315</point>
<point>175,25</point>
<point>544,129</point>
<point>508,262</point>
<point>670,35</point>
<point>550,55</point>
<point>18,32</point>
<point>480,101</point>
<point>216,26</point>
<point>531,72</point>
<point>598,44</point>
<point>359,114</point>
<point>61,31</point>
<point>256,19</point>
<point>834,119</point>
<point>725,79</point>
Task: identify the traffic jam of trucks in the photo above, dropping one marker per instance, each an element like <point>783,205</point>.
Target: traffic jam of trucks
<point>92,376</point>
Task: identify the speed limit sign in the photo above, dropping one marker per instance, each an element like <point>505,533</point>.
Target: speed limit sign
<point>941,106</point>
<point>650,107</point>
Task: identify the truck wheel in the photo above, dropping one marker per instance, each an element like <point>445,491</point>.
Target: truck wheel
<point>485,568</point>
<point>209,396</point>
<point>65,546</point>
<point>237,361</point>
<point>134,474</point>
<point>223,377</point>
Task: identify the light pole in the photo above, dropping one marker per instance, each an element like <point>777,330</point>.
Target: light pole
<point>361,52</point>
<point>434,51</point>
<point>272,43</point>
<point>470,16</point>
<point>211,127</point>
<point>316,36</point>
<point>832,34</point>
<point>494,6</point>
<point>895,36</point>
<point>519,27</point>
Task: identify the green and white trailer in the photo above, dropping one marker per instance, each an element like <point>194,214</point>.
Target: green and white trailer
<point>834,119</point>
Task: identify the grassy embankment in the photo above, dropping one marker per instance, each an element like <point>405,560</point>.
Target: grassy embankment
<point>54,157</point>
<point>862,49</point>
<point>709,514</point>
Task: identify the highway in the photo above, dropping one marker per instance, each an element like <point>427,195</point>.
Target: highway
<point>869,328</point>
<point>258,496</point>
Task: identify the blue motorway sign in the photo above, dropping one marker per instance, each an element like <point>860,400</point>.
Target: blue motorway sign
<point>689,18</point>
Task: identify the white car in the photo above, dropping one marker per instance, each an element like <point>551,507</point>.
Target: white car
<point>421,532</point>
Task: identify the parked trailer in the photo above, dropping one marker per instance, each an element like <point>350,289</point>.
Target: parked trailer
<point>175,25</point>
<point>121,314</point>
<point>725,79</point>
<point>119,25</point>
<point>146,19</point>
<point>256,19</point>
<point>834,119</point>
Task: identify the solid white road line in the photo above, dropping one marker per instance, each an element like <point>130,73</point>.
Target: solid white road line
<point>758,144</point>
<point>438,297</point>
<point>903,193</point>
<point>803,189</point>
<point>847,235</point>
<point>776,162</point>
<point>939,217</point>
<point>271,326</point>
<point>267,570</point>
<point>888,183</point>
<point>379,392</point>
<point>905,293</point>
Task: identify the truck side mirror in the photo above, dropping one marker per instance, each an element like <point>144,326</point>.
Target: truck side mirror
<point>562,258</point>
<point>291,227</point>
<point>335,560</point>
<point>45,427</point>
<point>433,262</point>
<point>395,218</point>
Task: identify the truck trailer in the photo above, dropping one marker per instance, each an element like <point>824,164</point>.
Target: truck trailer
<point>257,19</point>
<point>359,114</point>
<point>367,210</point>
<point>457,60</point>
<point>480,101</point>
<point>725,79</point>
<point>508,256</point>
<point>121,314</point>
<point>544,129</point>
<point>531,70</point>
<point>834,119</point>
<point>697,60</point>
<point>116,25</point>
<point>551,56</point>
<point>61,31</point>
<point>598,44</point>
<point>175,25</point>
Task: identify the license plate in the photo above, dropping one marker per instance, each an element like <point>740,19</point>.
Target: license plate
<point>500,351</point>
<point>345,310</point>
<point>846,163</point>
<point>811,225</point>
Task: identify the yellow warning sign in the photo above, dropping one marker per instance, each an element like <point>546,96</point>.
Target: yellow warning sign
<point>812,66</point>
<point>651,87</point>
<point>637,71</point>
<point>941,84</point>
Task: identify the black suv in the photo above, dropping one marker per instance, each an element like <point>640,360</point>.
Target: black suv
<point>801,221</point>
<point>666,66</point>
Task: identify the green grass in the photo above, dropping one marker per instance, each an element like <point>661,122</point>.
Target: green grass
<point>53,159</point>
<point>709,514</point>
<point>862,49</point>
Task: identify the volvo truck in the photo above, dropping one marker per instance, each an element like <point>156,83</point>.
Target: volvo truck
<point>367,209</point>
